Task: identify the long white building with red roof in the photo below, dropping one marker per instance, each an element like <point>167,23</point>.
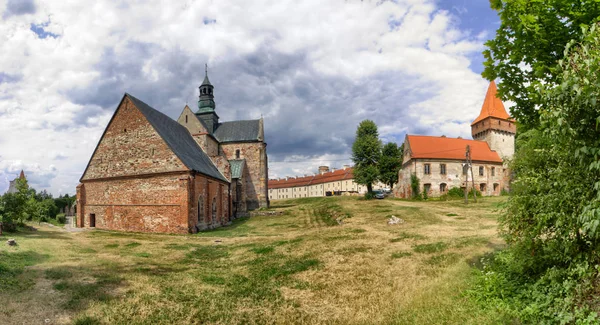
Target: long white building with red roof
<point>323,183</point>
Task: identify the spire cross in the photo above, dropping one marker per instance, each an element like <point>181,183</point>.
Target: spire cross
<point>206,69</point>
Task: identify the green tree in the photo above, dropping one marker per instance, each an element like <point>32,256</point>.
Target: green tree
<point>528,45</point>
<point>390,163</point>
<point>552,218</point>
<point>13,206</point>
<point>366,151</point>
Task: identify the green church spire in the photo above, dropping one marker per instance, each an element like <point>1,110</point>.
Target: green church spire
<point>206,102</point>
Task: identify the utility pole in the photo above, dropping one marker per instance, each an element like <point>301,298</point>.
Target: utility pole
<point>472,175</point>
<point>466,175</point>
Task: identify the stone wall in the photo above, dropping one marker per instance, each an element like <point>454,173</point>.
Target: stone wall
<point>256,164</point>
<point>131,146</point>
<point>454,177</point>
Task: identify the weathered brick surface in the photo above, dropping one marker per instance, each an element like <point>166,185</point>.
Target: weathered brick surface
<point>146,204</point>
<point>210,206</point>
<point>131,146</point>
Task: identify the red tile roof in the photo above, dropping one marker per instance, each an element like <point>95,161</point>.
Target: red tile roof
<point>429,147</point>
<point>333,176</point>
<point>492,106</point>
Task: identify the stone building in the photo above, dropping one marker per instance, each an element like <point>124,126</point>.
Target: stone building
<point>150,173</point>
<point>439,162</point>
<point>324,183</point>
<point>12,187</point>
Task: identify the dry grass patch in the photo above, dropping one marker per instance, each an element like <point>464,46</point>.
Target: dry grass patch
<point>299,267</point>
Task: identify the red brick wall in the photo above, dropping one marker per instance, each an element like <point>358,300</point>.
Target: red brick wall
<point>157,203</point>
<point>131,146</point>
<point>206,190</point>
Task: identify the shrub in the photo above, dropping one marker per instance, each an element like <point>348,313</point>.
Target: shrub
<point>369,195</point>
<point>415,186</point>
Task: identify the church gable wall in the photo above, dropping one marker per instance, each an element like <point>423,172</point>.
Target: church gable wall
<point>131,146</point>
<point>189,120</point>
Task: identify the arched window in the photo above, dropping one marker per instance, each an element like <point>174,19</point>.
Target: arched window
<point>443,188</point>
<point>237,154</point>
<point>482,187</point>
<point>200,209</point>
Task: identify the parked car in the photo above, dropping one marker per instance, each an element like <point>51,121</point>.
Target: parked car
<point>379,195</point>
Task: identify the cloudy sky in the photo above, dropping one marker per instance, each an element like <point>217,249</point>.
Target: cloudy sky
<point>313,69</point>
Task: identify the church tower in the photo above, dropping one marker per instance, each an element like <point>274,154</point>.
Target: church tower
<point>494,125</point>
<point>206,104</point>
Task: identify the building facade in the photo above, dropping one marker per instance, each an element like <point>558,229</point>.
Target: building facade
<point>324,183</point>
<point>440,162</point>
<point>150,173</point>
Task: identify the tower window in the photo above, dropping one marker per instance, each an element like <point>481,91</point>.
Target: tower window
<point>186,119</point>
<point>499,123</point>
<point>237,154</point>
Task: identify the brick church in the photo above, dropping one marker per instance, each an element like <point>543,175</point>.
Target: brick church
<point>439,162</point>
<point>150,173</point>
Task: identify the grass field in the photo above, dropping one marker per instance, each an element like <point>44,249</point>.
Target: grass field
<point>300,267</point>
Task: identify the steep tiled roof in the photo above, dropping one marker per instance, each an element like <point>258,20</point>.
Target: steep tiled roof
<point>429,147</point>
<point>179,140</point>
<point>492,105</point>
<point>333,176</point>
<point>238,131</point>
<point>237,167</point>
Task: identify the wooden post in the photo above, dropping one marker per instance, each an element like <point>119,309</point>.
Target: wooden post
<point>466,175</point>
<point>472,175</point>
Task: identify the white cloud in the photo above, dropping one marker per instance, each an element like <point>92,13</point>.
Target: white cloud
<point>312,68</point>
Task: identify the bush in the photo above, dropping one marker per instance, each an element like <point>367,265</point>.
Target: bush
<point>61,218</point>
<point>456,192</point>
<point>369,195</point>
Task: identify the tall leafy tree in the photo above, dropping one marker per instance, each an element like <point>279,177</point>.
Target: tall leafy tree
<point>528,45</point>
<point>366,152</point>
<point>552,219</point>
<point>390,163</point>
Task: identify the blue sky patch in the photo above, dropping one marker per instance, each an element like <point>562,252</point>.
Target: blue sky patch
<point>41,32</point>
<point>209,21</point>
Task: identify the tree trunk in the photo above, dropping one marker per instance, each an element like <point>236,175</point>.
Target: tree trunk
<point>369,188</point>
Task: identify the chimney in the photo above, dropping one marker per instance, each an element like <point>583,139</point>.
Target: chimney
<point>443,136</point>
<point>323,169</point>
<point>346,166</point>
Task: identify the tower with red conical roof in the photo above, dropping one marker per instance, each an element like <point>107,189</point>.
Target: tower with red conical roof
<point>494,125</point>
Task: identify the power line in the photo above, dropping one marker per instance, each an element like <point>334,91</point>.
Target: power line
<point>307,160</point>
